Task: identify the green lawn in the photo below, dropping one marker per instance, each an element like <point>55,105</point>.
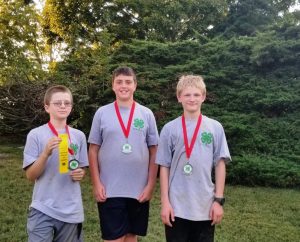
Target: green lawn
<point>251,214</point>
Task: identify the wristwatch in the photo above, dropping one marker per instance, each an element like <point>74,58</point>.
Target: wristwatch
<point>220,200</point>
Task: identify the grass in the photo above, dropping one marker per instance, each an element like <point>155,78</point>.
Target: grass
<point>252,214</point>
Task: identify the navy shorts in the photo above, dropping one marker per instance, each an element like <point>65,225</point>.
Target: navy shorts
<point>121,216</point>
<point>184,230</point>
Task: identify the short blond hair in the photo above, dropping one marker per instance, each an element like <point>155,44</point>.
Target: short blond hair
<point>190,81</point>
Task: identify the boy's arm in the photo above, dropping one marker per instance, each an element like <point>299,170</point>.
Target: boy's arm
<point>216,211</point>
<point>98,188</point>
<point>167,211</point>
<point>220,174</point>
<point>36,169</point>
<point>146,195</point>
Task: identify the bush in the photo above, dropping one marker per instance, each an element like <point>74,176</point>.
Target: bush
<point>249,169</point>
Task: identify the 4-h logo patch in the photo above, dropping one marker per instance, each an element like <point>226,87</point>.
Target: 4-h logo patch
<point>74,147</point>
<point>206,138</point>
<point>138,124</point>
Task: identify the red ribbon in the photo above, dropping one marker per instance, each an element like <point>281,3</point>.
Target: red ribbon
<point>56,134</point>
<point>126,131</point>
<point>188,149</point>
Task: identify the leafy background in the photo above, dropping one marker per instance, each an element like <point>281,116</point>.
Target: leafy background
<point>246,50</point>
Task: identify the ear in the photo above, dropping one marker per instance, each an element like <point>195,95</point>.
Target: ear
<point>204,97</point>
<point>179,98</point>
<point>46,107</point>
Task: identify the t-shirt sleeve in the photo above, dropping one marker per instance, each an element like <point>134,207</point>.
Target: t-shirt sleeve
<point>83,156</point>
<point>95,136</point>
<point>152,134</point>
<point>221,150</point>
<point>164,152</point>
<point>31,149</point>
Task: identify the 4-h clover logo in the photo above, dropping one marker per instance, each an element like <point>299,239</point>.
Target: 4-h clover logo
<point>138,123</point>
<point>206,138</point>
<point>74,147</point>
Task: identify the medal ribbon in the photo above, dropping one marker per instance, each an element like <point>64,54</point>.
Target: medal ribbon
<point>56,134</point>
<point>126,131</point>
<point>188,149</point>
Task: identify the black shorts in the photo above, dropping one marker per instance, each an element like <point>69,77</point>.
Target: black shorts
<point>121,216</point>
<point>184,230</point>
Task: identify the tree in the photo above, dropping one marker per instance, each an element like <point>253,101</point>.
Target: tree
<point>85,21</point>
<point>21,48</point>
<point>247,17</point>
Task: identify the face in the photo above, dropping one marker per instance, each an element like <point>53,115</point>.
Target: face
<point>60,106</point>
<point>124,87</point>
<point>191,99</point>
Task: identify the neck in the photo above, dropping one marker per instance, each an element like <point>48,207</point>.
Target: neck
<point>126,104</point>
<point>58,124</point>
<point>191,115</point>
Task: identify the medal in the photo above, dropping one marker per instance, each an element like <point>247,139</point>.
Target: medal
<point>73,164</point>
<point>126,148</point>
<point>187,168</point>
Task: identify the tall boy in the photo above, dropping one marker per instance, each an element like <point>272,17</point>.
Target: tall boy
<point>123,142</point>
<point>54,157</point>
<point>189,148</point>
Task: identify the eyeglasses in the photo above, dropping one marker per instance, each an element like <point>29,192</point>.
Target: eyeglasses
<point>60,103</point>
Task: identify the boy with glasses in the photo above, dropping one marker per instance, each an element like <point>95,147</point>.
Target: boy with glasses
<point>54,158</point>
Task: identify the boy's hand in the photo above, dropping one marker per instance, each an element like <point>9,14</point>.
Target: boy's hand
<point>77,174</point>
<point>52,144</point>
<point>146,194</point>
<point>216,213</point>
<point>167,214</point>
<point>99,193</point>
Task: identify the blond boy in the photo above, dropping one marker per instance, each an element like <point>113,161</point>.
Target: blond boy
<point>189,148</point>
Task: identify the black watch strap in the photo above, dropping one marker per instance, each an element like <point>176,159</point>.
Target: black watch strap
<point>220,200</point>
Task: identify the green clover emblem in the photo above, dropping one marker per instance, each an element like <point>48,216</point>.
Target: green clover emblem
<point>74,147</point>
<point>206,138</point>
<point>74,164</point>
<point>138,123</point>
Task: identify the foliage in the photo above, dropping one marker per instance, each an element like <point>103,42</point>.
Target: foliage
<point>21,107</point>
<point>21,49</point>
<point>160,20</point>
<point>247,17</point>
<point>251,170</point>
<point>250,63</point>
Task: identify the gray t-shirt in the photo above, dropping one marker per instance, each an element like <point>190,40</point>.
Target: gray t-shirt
<point>123,175</point>
<point>55,194</point>
<point>191,195</point>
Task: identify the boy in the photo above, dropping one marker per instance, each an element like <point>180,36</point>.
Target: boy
<point>189,147</point>
<point>54,157</point>
<point>123,142</point>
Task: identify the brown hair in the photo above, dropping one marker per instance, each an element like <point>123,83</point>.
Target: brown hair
<point>54,89</point>
<point>124,70</point>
